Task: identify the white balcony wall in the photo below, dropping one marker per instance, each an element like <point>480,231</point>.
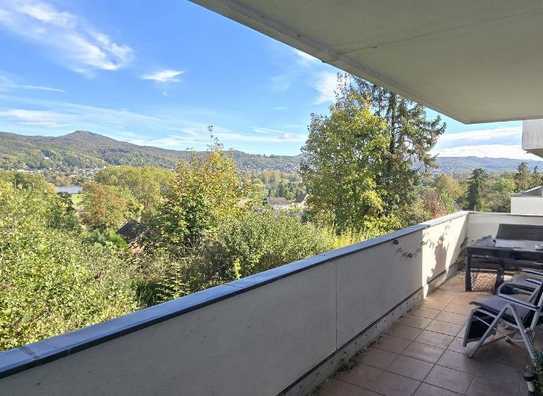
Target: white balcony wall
<point>481,224</point>
<point>532,136</point>
<point>262,339</point>
<point>373,281</point>
<point>527,205</point>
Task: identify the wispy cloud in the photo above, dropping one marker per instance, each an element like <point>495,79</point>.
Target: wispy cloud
<point>41,88</point>
<point>491,143</point>
<point>175,128</point>
<point>77,44</point>
<point>164,76</point>
<point>511,135</point>
<point>487,150</point>
<point>7,84</point>
<point>40,118</point>
<point>325,85</point>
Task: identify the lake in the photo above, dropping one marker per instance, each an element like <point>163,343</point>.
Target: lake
<point>68,189</point>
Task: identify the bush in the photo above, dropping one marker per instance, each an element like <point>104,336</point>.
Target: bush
<point>261,240</point>
<point>52,281</point>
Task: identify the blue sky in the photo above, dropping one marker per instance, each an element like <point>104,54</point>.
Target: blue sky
<point>158,73</point>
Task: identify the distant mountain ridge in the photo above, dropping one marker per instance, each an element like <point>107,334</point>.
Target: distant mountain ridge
<point>84,149</point>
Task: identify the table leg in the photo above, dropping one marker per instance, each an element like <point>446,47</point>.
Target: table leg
<point>467,279</point>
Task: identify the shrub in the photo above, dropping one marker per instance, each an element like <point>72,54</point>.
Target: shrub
<point>51,281</point>
<point>257,241</point>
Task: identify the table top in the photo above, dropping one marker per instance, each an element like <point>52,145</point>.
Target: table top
<point>507,244</point>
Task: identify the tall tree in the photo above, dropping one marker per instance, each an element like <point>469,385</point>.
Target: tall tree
<point>363,160</point>
<point>476,186</point>
<point>411,136</point>
<point>523,177</point>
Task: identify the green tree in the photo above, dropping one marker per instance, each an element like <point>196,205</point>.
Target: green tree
<point>498,194</point>
<point>204,192</point>
<point>359,161</point>
<point>257,241</point>
<point>411,135</point>
<point>147,184</point>
<point>52,281</point>
<point>107,207</point>
<point>523,178</point>
<point>476,188</point>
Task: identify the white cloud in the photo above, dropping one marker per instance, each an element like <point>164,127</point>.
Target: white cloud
<point>41,88</point>
<point>39,118</point>
<point>164,76</point>
<point>490,143</point>
<point>7,84</point>
<point>75,43</point>
<point>487,150</point>
<point>326,84</point>
<point>491,136</point>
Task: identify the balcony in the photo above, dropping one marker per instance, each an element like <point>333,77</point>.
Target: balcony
<point>422,354</point>
<point>288,329</point>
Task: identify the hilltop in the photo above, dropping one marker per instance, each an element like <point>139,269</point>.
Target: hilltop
<point>88,150</point>
<point>84,149</point>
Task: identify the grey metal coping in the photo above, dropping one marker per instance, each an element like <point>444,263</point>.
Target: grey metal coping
<point>31,355</point>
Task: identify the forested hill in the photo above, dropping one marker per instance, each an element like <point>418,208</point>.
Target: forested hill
<point>82,149</point>
<point>491,165</point>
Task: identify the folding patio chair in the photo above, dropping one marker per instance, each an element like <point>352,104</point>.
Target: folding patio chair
<point>507,309</point>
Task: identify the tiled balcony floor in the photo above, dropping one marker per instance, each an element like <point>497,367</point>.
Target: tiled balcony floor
<point>422,354</point>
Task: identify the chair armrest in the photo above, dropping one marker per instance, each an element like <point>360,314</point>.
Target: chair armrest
<point>531,271</point>
<point>515,301</point>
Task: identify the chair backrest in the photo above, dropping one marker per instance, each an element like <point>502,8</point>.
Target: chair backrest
<point>520,232</point>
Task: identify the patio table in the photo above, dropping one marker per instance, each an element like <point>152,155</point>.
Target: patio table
<point>500,255</point>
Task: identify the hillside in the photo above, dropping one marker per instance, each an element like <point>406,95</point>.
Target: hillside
<point>82,149</point>
<point>491,165</point>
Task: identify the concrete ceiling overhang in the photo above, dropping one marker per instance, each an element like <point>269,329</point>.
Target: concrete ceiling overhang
<point>476,61</point>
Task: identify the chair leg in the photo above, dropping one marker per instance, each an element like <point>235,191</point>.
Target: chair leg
<point>488,331</point>
<point>523,333</point>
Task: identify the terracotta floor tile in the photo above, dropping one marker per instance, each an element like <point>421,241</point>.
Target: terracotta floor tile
<point>390,384</point>
<point>460,362</point>
<point>428,353</point>
<point>462,309</point>
<point>424,312</point>
<point>451,317</point>
<point>334,387</point>
<point>456,381</point>
<point>444,327</point>
<point>410,367</point>
<point>392,344</point>
<point>456,345</point>
<point>414,321</point>
<point>484,387</point>
<point>406,332</point>
<point>431,390</point>
<point>433,338</point>
<point>360,375</point>
<point>376,358</point>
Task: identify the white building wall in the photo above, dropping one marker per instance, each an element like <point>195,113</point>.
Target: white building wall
<point>527,205</point>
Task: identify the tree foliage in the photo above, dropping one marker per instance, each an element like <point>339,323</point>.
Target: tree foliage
<point>359,163</point>
<point>52,281</point>
<point>147,184</point>
<point>204,192</point>
<point>107,207</point>
<point>477,184</point>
